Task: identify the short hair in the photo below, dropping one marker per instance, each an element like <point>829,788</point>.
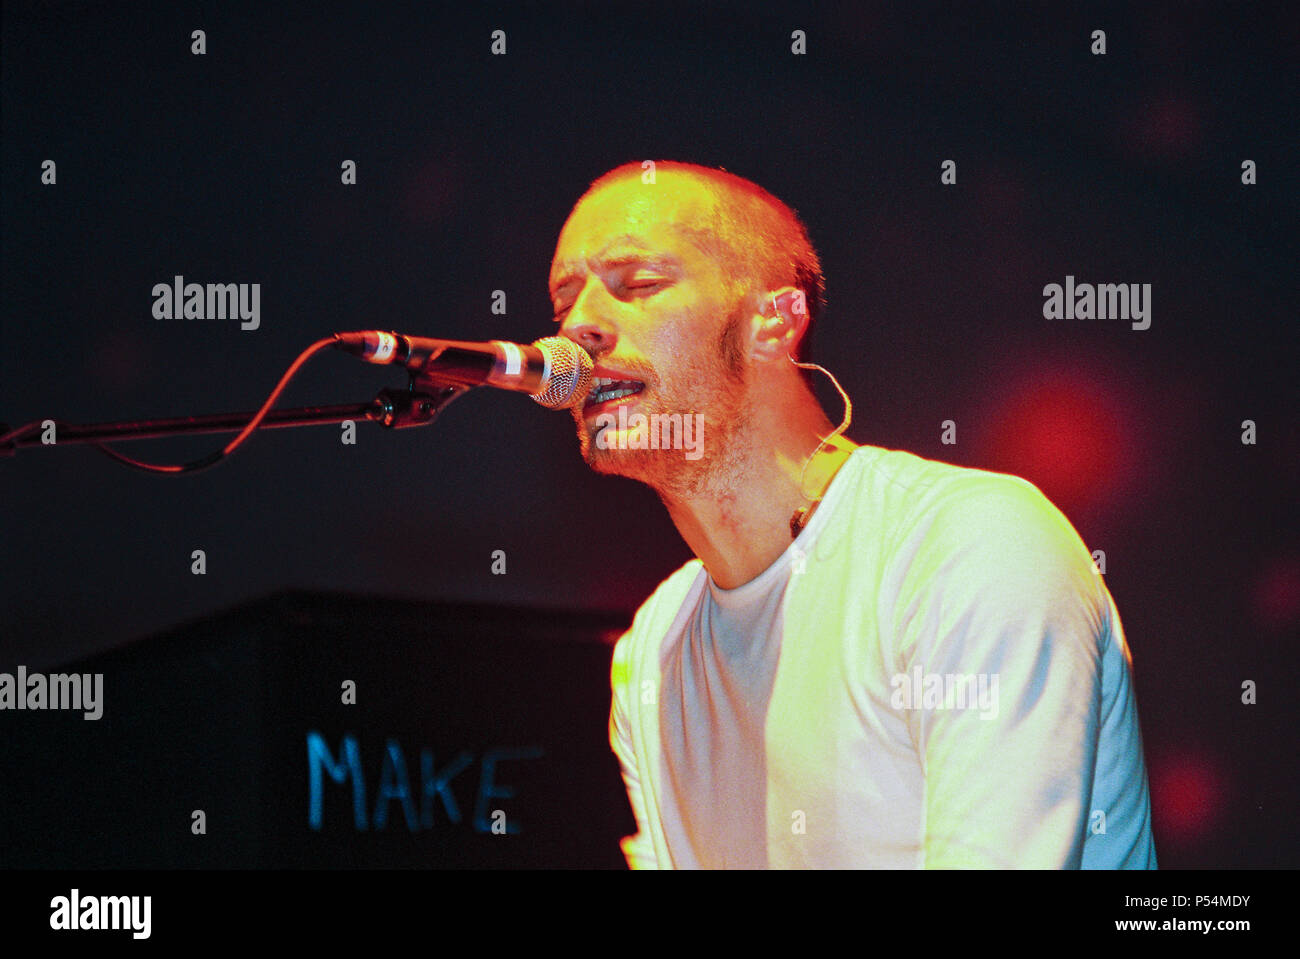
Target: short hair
<point>760,240</point>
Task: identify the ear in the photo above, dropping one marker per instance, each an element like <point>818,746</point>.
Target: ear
<point>781,324</point>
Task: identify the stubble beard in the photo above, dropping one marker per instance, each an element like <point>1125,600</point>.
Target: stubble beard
<point>715,382</point>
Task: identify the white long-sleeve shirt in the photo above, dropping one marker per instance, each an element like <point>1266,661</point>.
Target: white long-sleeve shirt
<point>933,675</point>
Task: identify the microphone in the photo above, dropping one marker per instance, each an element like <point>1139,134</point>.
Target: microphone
<point>555,370</point>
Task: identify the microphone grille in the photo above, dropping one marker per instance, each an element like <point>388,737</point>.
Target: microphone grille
<point>570,379</point>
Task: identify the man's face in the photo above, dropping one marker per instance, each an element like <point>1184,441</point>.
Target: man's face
<point>631,284</point>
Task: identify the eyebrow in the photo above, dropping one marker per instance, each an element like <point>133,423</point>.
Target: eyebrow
<point>564,273</point>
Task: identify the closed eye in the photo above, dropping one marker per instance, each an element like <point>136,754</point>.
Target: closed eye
<point>640,283</point>
<point>644,283</point>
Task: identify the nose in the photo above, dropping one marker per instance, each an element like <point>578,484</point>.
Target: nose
<point>585,325</point>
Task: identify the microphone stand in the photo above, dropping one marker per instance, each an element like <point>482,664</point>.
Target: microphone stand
<point>418,404</point>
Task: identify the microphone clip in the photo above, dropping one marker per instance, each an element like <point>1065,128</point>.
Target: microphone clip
<point>399,409</point>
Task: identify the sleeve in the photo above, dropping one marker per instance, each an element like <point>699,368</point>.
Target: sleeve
<point>639,848</point>
<point>1001,602</point>
<point>1120,787</point>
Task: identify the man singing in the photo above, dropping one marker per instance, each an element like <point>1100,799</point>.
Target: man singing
<point>875,660</point>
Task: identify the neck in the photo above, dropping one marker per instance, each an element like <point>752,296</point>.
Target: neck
<point>738,521</point>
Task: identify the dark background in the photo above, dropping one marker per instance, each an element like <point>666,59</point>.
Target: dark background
<point>226,168</point>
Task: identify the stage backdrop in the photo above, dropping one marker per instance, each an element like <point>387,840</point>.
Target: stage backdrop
<point>321,731</point>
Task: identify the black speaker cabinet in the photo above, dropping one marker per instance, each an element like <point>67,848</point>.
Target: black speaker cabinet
<point>321,731</point>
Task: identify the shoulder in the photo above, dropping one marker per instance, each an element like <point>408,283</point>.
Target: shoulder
<point>946,507</point>
<point>973,545</point>
<point>907,498</point>
<point>653,622</point>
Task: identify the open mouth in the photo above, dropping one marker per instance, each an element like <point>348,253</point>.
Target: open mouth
<point>603,390</point>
